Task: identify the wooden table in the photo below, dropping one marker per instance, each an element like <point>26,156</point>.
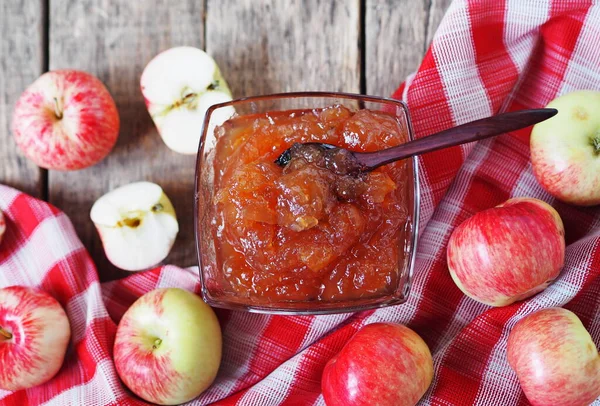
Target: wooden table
<point>261,46</point>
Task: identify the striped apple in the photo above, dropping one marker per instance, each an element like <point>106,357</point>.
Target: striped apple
<point>66,120</point>
<point>34,335</point>
<point>168,346</point>
<point>382,364</point>
<point>555,359</point>
<point>507,253</point>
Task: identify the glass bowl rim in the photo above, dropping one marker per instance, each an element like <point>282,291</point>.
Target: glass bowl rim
<point>343,308</point>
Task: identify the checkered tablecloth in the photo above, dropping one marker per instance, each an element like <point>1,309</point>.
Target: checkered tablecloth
<point>486,57</point>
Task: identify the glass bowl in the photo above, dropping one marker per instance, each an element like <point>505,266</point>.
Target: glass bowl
<point>215,288</point>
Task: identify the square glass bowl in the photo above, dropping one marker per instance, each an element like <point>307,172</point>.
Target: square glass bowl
<point>216,290</point>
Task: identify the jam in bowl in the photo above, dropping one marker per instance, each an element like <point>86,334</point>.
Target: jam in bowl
<point>303,238</point>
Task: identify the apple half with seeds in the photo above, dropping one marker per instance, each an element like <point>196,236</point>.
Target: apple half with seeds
<point>179,85</point>
<point>137,225</point>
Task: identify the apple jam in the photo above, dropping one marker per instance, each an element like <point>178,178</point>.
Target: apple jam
<point>304,232</point>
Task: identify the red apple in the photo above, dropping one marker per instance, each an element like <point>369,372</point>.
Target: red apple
<point>565,149</point>
<point>382,364</point>
<point>34,335</point>
<point>66,120</point>
<point>507,253</point>
<point>168,346</point>
<point>555,359</point>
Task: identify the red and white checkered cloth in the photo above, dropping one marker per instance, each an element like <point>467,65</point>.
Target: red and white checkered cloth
<point>487,57</point>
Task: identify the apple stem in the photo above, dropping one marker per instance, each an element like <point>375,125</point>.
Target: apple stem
<point>596,142</point>
<point>5,334</point>
<point>157,343</point>
<point>57,110</point>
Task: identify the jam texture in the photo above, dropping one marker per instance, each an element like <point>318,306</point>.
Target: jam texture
<point>304,232</point>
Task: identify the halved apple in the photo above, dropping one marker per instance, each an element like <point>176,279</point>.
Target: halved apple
<point>179,85</point>
<point>137,225</point>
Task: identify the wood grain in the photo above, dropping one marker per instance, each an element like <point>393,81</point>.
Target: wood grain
<point>114,40</point>
<point>21,62</point>
<point>262,46</point>
<point>397,33</point>
<point>272,46</point>
<point>437,10</point>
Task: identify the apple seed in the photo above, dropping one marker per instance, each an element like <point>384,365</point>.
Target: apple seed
<point>130,222</point>
<point>214,85</point>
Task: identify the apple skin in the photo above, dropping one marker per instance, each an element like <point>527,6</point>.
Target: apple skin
<point>382,364</point>
<point>34,337</point>
<point>507,253</point>
<point>65,120</point>
<point>565,149</point>
<point>555,359</point>
<point>168,346</point>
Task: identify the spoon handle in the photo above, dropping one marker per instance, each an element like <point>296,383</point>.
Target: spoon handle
<point>469,132</point>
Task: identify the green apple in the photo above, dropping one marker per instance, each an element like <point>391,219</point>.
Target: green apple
<point>168,346</point>
<point>565,150</point>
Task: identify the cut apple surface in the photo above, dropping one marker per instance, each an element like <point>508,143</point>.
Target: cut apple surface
<point>565,150</point>
<point>179,85</point>
<point>137,225</point>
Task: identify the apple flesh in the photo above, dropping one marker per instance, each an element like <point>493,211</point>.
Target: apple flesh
<point>65,120</point>
<point>137,225</point>
<point>179,85</point>
<point>507,253</point>
<point>555,359</point>
<point>168,346</point>
<point>34,335</point>
<point>382,364</point>
<point>565,150</point>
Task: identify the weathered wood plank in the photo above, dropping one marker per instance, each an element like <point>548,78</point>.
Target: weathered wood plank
<point>436,13</point>
<point>397,34</point>
<point>21,62</point>
<point>114,40</point>
<point>271,46</point>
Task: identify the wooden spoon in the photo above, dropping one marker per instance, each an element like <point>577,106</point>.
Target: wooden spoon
<point>343,161</point>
